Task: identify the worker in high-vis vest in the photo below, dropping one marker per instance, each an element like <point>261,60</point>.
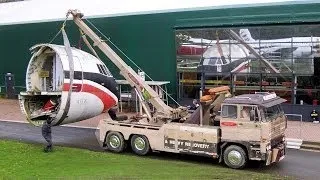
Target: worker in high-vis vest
<point>314,116</point>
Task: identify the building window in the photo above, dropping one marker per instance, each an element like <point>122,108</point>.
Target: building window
<point>281,59</point>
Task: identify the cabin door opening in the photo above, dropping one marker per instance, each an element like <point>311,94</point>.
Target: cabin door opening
<point>57,77</point>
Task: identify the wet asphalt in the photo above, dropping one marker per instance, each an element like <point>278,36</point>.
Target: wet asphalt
<point>298,164</point>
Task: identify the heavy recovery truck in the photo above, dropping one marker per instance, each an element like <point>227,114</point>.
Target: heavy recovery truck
<point>248,127</point>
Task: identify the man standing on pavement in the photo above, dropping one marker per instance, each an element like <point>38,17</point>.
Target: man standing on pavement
<point>314,116</point>
<point>46,133</point>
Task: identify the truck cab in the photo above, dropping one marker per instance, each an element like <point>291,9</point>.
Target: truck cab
<point>257,123</point>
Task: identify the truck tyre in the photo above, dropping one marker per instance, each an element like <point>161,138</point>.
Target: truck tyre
<point>235,157</point>
<point>140,144</point>
<point>115,142</point>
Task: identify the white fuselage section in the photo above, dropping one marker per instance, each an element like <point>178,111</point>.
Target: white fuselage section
<point>91,90</point>
<point>297,46</point>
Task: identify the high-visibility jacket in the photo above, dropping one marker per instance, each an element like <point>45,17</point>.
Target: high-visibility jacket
<point>314,114</point>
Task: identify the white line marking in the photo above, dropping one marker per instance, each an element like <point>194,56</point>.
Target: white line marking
<point>14,121</point>
<point>66,125</point>
<point>84,127</point>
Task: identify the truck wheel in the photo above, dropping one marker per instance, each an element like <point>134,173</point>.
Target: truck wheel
<point>140,144</point>
<point>235,157</point>
<point>115,142</point>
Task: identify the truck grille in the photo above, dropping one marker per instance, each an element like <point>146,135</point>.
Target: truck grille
<point>276,132</point>
<point>276,141</point>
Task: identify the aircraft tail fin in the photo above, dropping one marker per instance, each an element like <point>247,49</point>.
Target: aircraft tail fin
<point>246,35</point>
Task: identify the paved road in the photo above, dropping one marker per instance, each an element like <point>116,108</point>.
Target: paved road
<point>300,164</point>
<point>63,136</point>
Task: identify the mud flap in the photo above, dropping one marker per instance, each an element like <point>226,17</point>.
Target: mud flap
<point>221,150</point>
<point>268,161</point>
<point>101,131</point>
<point>98,137</point>
<point>275,155</point>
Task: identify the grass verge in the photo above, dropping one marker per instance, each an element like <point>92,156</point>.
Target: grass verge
<point>28,161</point>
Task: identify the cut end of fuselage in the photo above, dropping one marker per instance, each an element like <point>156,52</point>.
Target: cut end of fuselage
<point>63,92</point>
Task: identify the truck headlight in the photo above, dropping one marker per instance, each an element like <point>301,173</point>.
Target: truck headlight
<point>268,147</point>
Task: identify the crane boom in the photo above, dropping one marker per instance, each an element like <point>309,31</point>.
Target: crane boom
<point>163,110</point>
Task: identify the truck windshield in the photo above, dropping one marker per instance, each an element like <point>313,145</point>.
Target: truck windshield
<point>272,112</point>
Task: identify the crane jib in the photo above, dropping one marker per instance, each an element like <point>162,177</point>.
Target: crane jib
<point>135,80</point>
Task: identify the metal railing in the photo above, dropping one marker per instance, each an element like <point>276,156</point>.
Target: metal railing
<point>18,89</point>
<point>300,119</point>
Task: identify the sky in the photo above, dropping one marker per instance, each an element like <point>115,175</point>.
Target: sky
<point>47,10</point>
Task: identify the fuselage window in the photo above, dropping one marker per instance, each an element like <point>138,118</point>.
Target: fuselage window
<point>219,61</point>
<point>100,69</point>
<point>213,61</point>
<point>108,73</point>
<point>104,70</point>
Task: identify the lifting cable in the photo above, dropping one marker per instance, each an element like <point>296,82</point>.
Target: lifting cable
<point>63,25</point>
<point>84,37</point>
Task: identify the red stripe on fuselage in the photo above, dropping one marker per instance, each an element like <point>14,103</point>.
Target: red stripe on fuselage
<point>106,99</point>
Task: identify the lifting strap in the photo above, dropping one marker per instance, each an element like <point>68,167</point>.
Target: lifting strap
<point>71,73</point>
<point>84,37</point>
